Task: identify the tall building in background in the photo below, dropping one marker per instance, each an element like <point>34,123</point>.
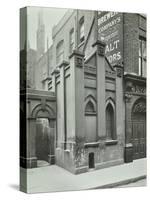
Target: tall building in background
<point>40,36</point>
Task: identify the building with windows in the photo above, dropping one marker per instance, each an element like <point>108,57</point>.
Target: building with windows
<point>96,82</point>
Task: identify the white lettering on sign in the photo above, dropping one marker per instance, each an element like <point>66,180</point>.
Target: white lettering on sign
<point>111,46</point>
<point>114,57</point>
<point>110,24</point>
<point>106,17</point>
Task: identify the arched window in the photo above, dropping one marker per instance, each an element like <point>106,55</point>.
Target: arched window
<point>81,29</point>
<point>90,119</point>
<point>72,40</point>
<point>89,107</point>
<point>110,125</point>
<point>60,52</point>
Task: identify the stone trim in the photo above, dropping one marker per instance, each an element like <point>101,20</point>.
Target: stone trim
<point>55,71</point>
<point>78,62</point>
<point>119,70</point>
<point>111,142</point>
<point>63,64</point>
<point>91,144</point>
<point>100,47</point>
<point>76,53</point>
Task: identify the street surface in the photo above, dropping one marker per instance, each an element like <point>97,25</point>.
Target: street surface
<point>54,178</point>
<point>140,183</point>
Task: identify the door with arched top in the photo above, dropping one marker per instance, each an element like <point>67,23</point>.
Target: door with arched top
<point>139,129</point>
<point>42,141</point>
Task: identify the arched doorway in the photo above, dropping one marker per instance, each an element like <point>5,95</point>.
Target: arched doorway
<point>45,135</point>
<point>42,141</point>
<point>91,160</point>
<point>139,129</point>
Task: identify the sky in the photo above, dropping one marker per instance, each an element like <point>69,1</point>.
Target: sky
<point>51,17</point>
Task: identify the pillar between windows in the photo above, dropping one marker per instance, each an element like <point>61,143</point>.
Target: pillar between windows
<point>77,93</point>
<point>100,65</point>
<point>63,101</point>
<point>120,105</point>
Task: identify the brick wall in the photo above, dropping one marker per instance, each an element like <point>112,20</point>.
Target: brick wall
<point>131,42</point>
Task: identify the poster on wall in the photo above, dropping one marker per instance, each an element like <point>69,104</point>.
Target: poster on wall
<point>110,29</point>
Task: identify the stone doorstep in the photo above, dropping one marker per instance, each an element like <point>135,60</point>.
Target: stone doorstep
<point>42,163</point>
<point>116,184</point>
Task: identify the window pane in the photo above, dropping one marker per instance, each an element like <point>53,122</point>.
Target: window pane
<point>72,36</point>
<point>140,66</point>
<point>82,31</point>
<point>144,49</point>
<point>144,68</point>
<point>140,48</point>
<point>72,47</point>
<point>60,52</point>
<point>71,40</point>
<point>142,57</point>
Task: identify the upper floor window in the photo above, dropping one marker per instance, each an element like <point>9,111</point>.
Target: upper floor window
<point>81,29</point>
<point>72,39</point>
<point>142,57</point>
<point>60,52</point>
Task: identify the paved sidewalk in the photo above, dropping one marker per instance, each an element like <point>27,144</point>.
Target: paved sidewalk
<point>140,183</point>
<point>53,178</point>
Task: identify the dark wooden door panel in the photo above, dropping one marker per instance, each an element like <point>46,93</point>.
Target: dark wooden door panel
<point>139,139</point>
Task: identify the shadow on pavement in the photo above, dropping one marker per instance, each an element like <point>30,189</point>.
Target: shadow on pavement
<point>14,186</point>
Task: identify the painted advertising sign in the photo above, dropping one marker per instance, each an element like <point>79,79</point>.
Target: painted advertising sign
<point>110,29</point>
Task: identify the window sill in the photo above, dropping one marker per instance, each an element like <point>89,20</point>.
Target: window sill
<point>91,144</point>
<point>90,113</point>
<point>111,142</point>
<point>67,150</point>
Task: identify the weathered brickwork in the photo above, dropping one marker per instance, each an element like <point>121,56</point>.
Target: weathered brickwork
<point>131,43</point>
<point>134,27</point>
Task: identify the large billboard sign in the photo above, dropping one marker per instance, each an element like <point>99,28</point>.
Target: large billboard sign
<point>110,29</point>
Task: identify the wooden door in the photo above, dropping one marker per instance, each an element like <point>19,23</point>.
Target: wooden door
<point>139,135</point>
<point>42,139</point>
<point>91,160</point>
